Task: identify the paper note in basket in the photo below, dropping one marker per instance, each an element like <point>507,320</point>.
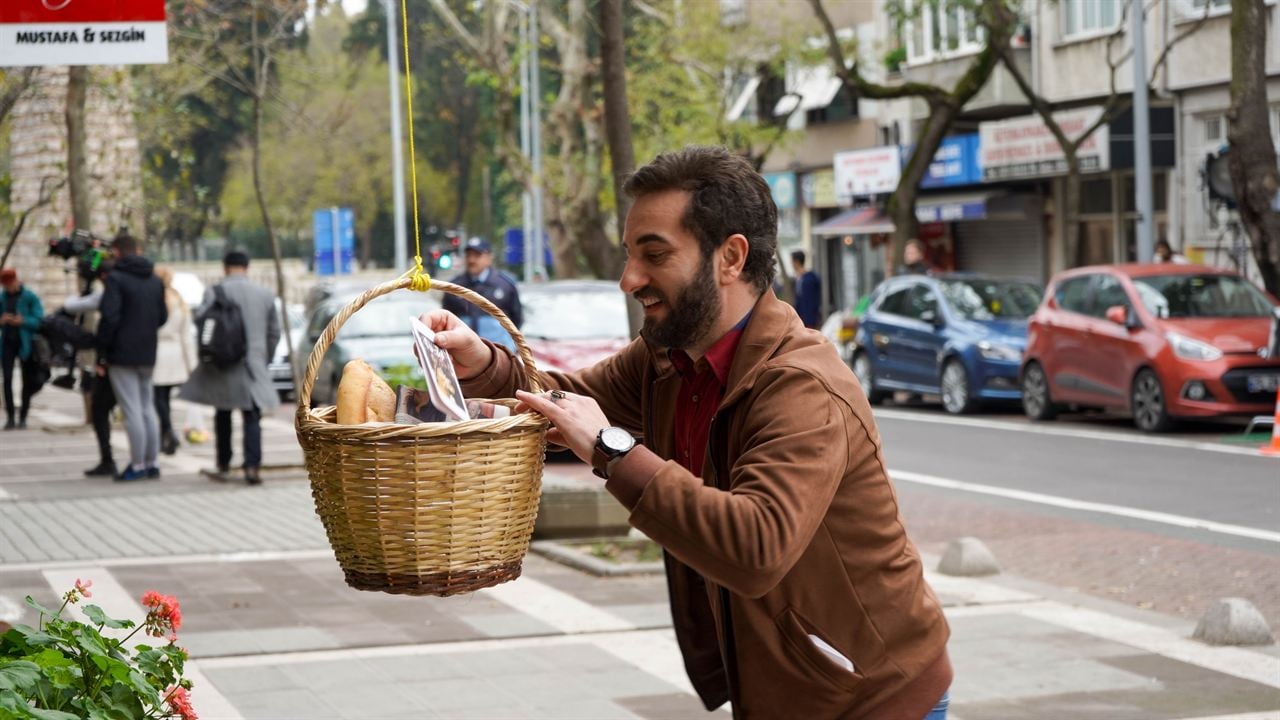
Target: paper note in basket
<point>442,382</point>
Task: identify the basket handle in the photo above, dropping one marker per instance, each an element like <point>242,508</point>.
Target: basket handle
<point>335,324</point>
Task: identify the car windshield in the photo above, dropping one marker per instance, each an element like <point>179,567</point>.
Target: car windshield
<point>1210,295</point>
<point>575,314</point>
<point>383,319</point>
<point>977,299</point>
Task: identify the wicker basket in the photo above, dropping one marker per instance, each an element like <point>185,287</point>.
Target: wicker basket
<point>429,509</point>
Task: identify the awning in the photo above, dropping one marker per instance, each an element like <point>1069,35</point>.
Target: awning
<point>955,207</point>
<point>811,88</point>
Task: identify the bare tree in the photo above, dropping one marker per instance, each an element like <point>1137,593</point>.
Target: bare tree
<point>999,20</point>
<point>77,164</point>
<point>247,67</point>
<point>49,187</point>
<point>1115,105</point>
<point>12,85</point>
<point>1254,175</point>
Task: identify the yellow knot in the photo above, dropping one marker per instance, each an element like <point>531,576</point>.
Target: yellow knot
<point>419,280</point>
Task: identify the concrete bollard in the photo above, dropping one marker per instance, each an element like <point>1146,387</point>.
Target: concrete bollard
<point>968,557</point>
<point>1233,621</point>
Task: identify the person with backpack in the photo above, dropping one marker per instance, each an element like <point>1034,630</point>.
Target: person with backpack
<point>236,330</point>
<point>20,317</point>
<point>130,316</point>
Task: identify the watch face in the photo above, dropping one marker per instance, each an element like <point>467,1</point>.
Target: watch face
<point>616,439</point>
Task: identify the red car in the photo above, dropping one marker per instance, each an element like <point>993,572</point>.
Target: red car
<point>573,324</point>
<point>1159,341</point>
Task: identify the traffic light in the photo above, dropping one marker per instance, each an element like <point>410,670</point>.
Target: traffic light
<point>445,262</point>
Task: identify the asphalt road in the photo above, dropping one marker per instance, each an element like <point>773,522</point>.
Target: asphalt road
<point>1217,491</point>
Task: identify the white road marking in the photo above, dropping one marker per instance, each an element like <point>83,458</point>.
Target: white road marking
<point>5,495</point>
<point>556,608</point>
<point>116,602</point>
<point>1244,664</point>
<point>1042,429</point>
<point>656,654</point>
<point>1104,508</point>
<point>1269,715</point>
<point>971,591</point>
<point>247,556</point>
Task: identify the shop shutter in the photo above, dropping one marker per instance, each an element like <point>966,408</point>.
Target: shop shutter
<point>1013,248</point>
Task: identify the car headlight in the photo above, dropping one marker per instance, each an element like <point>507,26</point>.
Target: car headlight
<point>996,351</point>
<point>1191,349</point>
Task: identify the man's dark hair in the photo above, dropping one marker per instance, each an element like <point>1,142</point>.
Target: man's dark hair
<point>726,196</point>
<point>126,244</point>
<point>798,256</point>
<point>235,258</point>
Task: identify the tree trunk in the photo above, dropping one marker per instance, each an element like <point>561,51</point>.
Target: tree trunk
<point>260,70</point>
<point>1254,175</point>
<point>617,128</point>
<point>1072,240</point>
<point>77,164</point>
<point>902,204</point>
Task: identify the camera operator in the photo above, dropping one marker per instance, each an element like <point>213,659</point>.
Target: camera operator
<point>101,400</point>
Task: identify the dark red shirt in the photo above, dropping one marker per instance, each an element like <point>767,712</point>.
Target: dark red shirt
<point>701,389</point>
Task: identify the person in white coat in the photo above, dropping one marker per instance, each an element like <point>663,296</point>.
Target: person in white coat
<point>175,357</point>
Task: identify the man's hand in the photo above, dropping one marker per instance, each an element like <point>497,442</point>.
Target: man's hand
<point>578,419</point>
<point>469,353</point>
<point>100,370</point>
<point>15,319</point>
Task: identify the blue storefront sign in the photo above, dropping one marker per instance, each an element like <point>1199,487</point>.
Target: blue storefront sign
<point>955,163</point>
<point>335,234</point>
<point>783,187</point>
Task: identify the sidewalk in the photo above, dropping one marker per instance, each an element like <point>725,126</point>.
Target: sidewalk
<point>275,633</point>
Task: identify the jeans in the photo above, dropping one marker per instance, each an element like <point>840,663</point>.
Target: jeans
<point>10,359</point>
<point>939,712</point>
<point>162,410</point>
<point>136,396</point>
<point>252,437</point>
<point>101,401</point>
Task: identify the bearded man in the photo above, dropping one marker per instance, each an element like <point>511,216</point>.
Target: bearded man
<point>794,589</point>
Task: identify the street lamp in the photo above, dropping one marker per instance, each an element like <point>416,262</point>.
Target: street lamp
<point>397,156</point>
<point>531,139</point>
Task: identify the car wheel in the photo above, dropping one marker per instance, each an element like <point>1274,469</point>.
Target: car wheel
<point>867,379</point>
<point>1150,413</point>
<point>1036,402</point>
<point>956,398</point>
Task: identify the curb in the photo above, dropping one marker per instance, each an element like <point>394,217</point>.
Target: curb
<point>554,550</point>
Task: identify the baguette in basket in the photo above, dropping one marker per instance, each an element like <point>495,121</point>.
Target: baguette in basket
<point>363,396</point>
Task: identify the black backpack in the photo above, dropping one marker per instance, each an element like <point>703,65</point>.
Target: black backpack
<point>220,332</point>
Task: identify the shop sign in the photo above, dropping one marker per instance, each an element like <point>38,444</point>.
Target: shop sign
<point>82,32</point>
<point>1024,147</point>
<point>955,163</point>
<point>782,185</point>
<point>818,189</point>
<point>860,173</point>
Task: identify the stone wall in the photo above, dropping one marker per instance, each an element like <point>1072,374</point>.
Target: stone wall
<point>37,140</point>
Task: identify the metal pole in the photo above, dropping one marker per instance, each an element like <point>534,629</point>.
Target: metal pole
<point>337,241</point>
<point>526,201</point>
<point>536,139</point>
<point>397,140</point>
<point>1141,135</point>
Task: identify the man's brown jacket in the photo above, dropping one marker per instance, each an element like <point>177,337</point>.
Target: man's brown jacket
<point>790,541</point>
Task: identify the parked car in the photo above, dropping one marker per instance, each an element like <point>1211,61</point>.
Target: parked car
<point>378,334</point>
<point>280,368</point>
<point>572,324</point>
<point>960,336</point>
<point>1159,341</point>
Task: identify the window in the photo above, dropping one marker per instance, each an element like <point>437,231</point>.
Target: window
<point>1086,17</point>
<point>1212,129</point>
<point>940,29</point>
<point>895,303</point>
<point>1073,294</point>
<point>923,300</point>
<point>733,12</point>
<point>1199,4</point>
<point>1107,293</point>
<point>1095,196</point>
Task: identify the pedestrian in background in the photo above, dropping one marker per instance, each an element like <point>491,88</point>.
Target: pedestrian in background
<point>95,388</point>
<point>795,591</point>
<point>246,385</point>
<point>19,322</point>
<point>495,286</point>
<point>131,314</point>
<point>914,262</point>
<point>175,357</point>
<point>1166,254</point>
<point>808,292</point>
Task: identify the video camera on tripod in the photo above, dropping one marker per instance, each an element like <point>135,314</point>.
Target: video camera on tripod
<point>62,329</point>
<point>91,252</point>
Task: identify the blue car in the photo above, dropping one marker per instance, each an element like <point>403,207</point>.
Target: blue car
<point>960,336</point>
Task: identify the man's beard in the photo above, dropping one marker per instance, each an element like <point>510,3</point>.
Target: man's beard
<point>689,319</point>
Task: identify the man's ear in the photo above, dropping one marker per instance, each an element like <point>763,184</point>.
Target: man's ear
<point>733,257</point>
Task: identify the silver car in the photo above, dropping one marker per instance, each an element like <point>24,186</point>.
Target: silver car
<point>280,369</point>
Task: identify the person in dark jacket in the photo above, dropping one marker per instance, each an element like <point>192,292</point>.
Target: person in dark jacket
<point>808,292</point>
<point>496,286</point>
<point>132,311</point>
<point>19,321</point>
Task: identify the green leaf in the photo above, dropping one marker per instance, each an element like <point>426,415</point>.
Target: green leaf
<point>20,675</point>
<point>149,693</point>
<point>91,642</point>
<point>40,714</point>
<point>98,617</point>
<point>40,608</point>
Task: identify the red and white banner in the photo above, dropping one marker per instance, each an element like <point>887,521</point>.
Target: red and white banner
<point>82,32</point>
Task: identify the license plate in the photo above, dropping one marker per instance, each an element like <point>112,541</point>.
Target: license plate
<point>1262,383</point>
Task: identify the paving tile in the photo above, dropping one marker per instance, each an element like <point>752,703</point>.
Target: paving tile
<point>236,681</point>
<point>670,706</point>
<point>416,669</point>
<point>285,705</point>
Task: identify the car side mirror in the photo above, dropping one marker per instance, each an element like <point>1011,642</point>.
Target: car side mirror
<point>1122,316</point>
<point>932,317</point>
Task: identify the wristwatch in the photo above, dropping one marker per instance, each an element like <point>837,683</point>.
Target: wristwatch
<point>611,444</point>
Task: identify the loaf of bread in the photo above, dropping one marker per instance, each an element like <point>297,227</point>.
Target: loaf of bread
<point>363,396</point>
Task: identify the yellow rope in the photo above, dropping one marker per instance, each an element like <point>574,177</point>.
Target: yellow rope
<point>419,280</point>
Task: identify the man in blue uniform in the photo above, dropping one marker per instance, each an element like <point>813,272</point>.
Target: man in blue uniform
<point>496,286</point>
